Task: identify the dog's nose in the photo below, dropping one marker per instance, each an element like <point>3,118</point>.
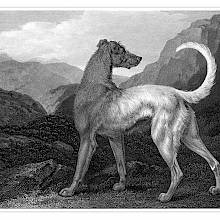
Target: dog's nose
<point>139,58</point>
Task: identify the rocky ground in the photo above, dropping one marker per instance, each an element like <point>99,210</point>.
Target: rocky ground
<point>37,186</point>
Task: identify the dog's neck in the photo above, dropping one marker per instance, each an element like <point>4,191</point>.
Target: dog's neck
<point>98,69</point>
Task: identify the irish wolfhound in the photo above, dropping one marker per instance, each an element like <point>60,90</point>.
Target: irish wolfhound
<point>103,108</point>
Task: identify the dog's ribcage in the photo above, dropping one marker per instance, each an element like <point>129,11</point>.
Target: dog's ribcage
<point>161,103</point>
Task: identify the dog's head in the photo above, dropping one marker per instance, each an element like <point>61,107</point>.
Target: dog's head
<point>120,57</point>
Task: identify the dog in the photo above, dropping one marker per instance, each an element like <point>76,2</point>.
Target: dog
<point>102,108</point>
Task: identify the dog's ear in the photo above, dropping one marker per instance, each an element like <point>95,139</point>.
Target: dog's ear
<point>102,42</point>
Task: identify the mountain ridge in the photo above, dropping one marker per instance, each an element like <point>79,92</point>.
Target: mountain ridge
<point>176,69</point>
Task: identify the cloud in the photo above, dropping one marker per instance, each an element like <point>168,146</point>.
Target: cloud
<point>192,15</point>
<point>74,40</point>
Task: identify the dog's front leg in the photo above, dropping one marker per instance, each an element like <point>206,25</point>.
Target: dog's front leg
<point>117,145</point>
<point>85,153</point>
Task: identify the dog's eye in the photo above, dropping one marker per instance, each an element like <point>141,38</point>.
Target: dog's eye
<point>116,50</point>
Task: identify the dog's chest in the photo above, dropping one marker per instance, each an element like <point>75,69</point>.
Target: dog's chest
<point>125,112</point>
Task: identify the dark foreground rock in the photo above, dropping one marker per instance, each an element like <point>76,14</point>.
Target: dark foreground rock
<point>34,177</point>
<point>19,150</point>
<point>47,176</point>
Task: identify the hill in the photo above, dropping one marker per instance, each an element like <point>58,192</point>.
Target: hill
<point>72,73</point>
<point>34,78</point>
<point>31,78</point>
<point>17,109</point>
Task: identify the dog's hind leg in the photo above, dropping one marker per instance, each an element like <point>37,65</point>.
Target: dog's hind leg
<point>86,150</point>
<point>193,141</point>
<point>117,145</point>
<point>164,139</point>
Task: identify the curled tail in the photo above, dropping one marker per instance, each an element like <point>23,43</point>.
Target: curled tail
<point>204,89</point>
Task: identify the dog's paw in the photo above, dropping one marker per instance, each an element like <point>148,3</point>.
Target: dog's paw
<point>164,197</point>
<point>119,186</point>
<point>66,192</point>
<point>214,190</point>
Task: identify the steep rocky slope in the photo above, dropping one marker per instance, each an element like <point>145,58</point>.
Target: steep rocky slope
<point>55,97</point>
<point>177,69</point>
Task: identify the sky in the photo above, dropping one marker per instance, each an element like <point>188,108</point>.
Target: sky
<point>72,36</point>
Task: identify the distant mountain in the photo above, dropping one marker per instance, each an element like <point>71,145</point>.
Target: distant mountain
<point>4,57</point>
<point>72,73</point>
<point>117,79</point>
<point>44,61</point>
<point>34,78</point>
<point>182,70</point>
<point>17,109</point>
<point>31,78</point>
